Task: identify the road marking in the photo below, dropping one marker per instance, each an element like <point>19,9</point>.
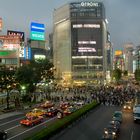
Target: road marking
<point>132,135</point>
<point>13,127</point>
<point>12,121</point>
<point>31,128</point>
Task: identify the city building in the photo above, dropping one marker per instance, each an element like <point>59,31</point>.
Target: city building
<point>10,50</point>
<point>118,60</point>
<point>136,60</point>
<point>128,57</point>
<point>37,49</point>
<point>109,58</point>
<point>37,41</point>
<point>80,43</point>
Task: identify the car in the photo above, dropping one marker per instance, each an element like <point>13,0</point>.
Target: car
<point>108,137</point>
<point>37,112</point>
<point>79,104</point>
<point>60,114</point>
<point>3,135</point>
<point>115,124</point>
<point>64,105</point>
<point>136,113</point>
<point>47,104</point>
<point>51,112</point>
<point>110,132</point>
<point>69,110</point>
<point>117,116</point>
<point>33,120</point>
<point>127,106</point>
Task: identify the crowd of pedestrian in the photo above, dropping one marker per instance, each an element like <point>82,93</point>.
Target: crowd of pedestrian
<point>106,95</point>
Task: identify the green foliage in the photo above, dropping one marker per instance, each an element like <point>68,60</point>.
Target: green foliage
<point>117,73</point>
<point>60,124</point>
<point>7,81</point>
<point>24,75</point>
<point>137,74</point>
<point>33,73</point>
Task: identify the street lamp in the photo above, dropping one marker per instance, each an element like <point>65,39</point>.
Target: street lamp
<point>23,89</point>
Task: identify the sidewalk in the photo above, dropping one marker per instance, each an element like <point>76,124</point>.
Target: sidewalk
<point>16,112</point>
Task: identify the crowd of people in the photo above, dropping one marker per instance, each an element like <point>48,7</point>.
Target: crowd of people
<point>106,95</point>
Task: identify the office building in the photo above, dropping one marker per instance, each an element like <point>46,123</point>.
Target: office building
<point>79,43</point>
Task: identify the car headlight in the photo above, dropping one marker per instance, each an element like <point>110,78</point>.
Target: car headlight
<point>124,107</point>
<point>129,107</point>
<point>113,133</point>
<point>106,132</point>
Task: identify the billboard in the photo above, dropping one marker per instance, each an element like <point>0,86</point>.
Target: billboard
<point>8,54</point>
<point>118,52</point>
<point>27,53</point>
<point>0,24</point>
<point>9,42</point>
<point>20,34</point>
<point>37,31</point>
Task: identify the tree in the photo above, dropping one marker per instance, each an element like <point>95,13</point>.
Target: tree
<point>25,76</point>
<point>137,75</point>
<point>117,73</point>
<point>7,81</point>
<point>33,73</point>
<point>44,69</point>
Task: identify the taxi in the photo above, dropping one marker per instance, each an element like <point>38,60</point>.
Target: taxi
<point>37,112</point>
<point>30,121</point>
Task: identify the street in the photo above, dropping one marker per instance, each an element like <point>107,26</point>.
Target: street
<point>90,127</point>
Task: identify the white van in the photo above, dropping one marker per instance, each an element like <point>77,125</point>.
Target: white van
<point>136,112</point>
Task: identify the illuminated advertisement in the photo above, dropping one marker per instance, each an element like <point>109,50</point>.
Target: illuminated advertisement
<point>9,42</point>
<point>20,34</point>
<point>86,49</point>
<point>89,4</point>
<point>118,52</point>
<point>0,24</point>
<point>39,56</point>
<point>27,53</point>
<point>37,31</point>
<point>8,54</point>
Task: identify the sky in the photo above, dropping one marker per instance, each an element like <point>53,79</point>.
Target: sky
<point>123,17</point>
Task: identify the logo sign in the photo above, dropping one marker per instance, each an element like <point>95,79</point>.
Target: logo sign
<point>37,31</point>
<point>89,4</point>
<point>20,34</point>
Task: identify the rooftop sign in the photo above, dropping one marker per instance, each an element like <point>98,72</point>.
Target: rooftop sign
<point>89,4</point>
<point>37,31</point>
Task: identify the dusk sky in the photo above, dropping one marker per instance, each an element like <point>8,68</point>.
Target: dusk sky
<point>123,17</point>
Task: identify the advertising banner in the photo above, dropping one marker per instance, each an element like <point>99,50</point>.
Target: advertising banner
<point>8,54</point>
<point>118,52</point>
<point>37,31</point>
<point>20,34</point>
<point>9,42</point>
